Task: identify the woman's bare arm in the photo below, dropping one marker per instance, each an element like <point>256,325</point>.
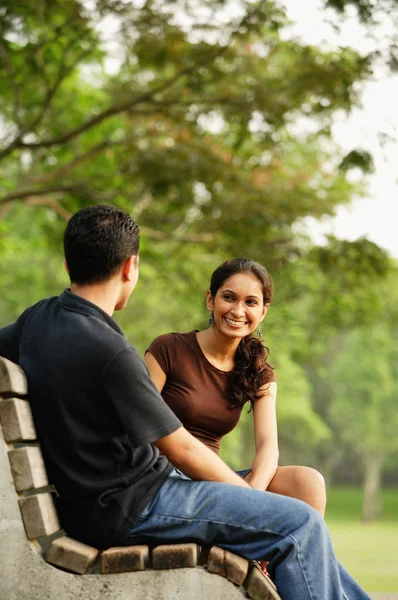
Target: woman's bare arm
<point>265,462</point>
<point>155,371</point>
<point>196,460</point>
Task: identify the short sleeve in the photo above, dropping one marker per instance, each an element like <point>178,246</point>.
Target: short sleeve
<point>10,336</point>
<point>141,409</point>
<point>9,342</point>
<point>163,348</point>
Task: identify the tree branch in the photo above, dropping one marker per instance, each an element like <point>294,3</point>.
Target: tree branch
<point>37,200</point>
<point>63,72</point>
<point>75,162</point>
<point>110,112</point>
<point>142,205</point>
<point>66,189</point>
<point>57,208</point>
<point>163,235</point>
<point>113,110</point>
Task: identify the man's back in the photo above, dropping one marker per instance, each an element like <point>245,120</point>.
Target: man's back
<point>82,376</point>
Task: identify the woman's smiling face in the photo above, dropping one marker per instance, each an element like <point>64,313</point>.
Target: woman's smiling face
<point>238,306</point>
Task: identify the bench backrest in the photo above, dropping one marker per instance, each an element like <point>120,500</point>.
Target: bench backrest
<point>35,494</point>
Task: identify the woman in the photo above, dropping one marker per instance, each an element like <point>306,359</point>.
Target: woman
<point>207,376</point>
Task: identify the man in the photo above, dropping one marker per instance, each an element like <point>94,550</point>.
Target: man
<point>102,423</point>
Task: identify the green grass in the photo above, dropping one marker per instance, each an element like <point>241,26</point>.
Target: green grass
<point>344,504</point>
<point>368,551</point>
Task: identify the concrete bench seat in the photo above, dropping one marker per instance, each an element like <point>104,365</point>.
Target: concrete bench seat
<point>38,560</point>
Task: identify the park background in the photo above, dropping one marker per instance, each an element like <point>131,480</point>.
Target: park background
<point>216,125</point>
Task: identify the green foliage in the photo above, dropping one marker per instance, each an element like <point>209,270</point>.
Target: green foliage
<point>30,268</point>
<point>359,159</point>
<point>365,405</point>
<point>298,424</point>
<point>350,273</point>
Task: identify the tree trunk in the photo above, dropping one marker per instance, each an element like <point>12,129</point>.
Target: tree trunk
<point>371,508</point>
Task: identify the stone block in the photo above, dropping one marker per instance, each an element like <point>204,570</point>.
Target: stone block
<point>71,555</point>
<point>255,564</point>
<point>124,558</point>
<point>39,515</point>
<point>229,565</point>
<point>12,379</point>
<point>174,556</point>
<point>28,468</point>
<point>259,586</point>
<point>17,421</point>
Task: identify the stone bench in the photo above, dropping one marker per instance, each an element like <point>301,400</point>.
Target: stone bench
<point>40,561</point>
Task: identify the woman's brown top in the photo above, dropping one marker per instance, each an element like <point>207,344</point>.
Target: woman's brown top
<point>195,390</point>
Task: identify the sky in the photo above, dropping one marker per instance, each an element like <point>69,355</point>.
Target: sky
<point>376,215</point>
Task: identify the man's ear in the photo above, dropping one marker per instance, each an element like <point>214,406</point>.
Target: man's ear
<point>66,266</point>
<point>129,267</point>
<point>209,301</point>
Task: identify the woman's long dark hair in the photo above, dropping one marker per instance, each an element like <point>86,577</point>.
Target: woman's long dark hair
<point>251,370</point>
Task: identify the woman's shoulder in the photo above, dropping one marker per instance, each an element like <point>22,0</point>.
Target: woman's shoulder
<point>173,338</point>
<point>267,374</point>
<point>166,348</point>
<point>173,342</point>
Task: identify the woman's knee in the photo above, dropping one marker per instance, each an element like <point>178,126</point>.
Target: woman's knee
<point>303,483</point>
<point>310,477</point>
<point>312,484</point>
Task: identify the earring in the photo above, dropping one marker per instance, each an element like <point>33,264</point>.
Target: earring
<point>210,318</point>
<point>259,332</point>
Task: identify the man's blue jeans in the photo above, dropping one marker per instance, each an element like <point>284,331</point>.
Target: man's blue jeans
<point>255,524</point>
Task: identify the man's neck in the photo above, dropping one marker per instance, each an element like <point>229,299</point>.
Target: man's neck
<point>104,295</point>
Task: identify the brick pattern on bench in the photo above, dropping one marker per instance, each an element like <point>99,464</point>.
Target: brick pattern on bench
<point>27,467</point>
<point>229,565</point>
<point>71,555</point>
<point>124,559</point>
<point>40,517</point>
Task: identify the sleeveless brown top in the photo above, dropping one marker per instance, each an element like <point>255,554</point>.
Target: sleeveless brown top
<point>195,390</point>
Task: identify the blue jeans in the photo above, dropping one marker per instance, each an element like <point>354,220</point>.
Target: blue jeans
<point>288,533</point>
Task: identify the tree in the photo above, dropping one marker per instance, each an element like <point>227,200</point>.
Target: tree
<point>191,134</point>
<point>365,404</point>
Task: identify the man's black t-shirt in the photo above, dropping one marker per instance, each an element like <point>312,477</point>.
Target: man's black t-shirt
<point>96,413</point>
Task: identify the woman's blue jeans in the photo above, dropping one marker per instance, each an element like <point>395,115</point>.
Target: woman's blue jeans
<point>288,533</point>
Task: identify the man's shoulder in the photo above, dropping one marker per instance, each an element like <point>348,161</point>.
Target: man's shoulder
<point>76,328</point>
<point>36,309</point>
<point>98,336</point>
<point>41,303</point>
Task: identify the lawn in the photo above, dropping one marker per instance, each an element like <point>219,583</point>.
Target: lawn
<point>368,551</point>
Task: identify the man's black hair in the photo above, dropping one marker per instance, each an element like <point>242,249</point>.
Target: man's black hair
<point>97,240</point>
